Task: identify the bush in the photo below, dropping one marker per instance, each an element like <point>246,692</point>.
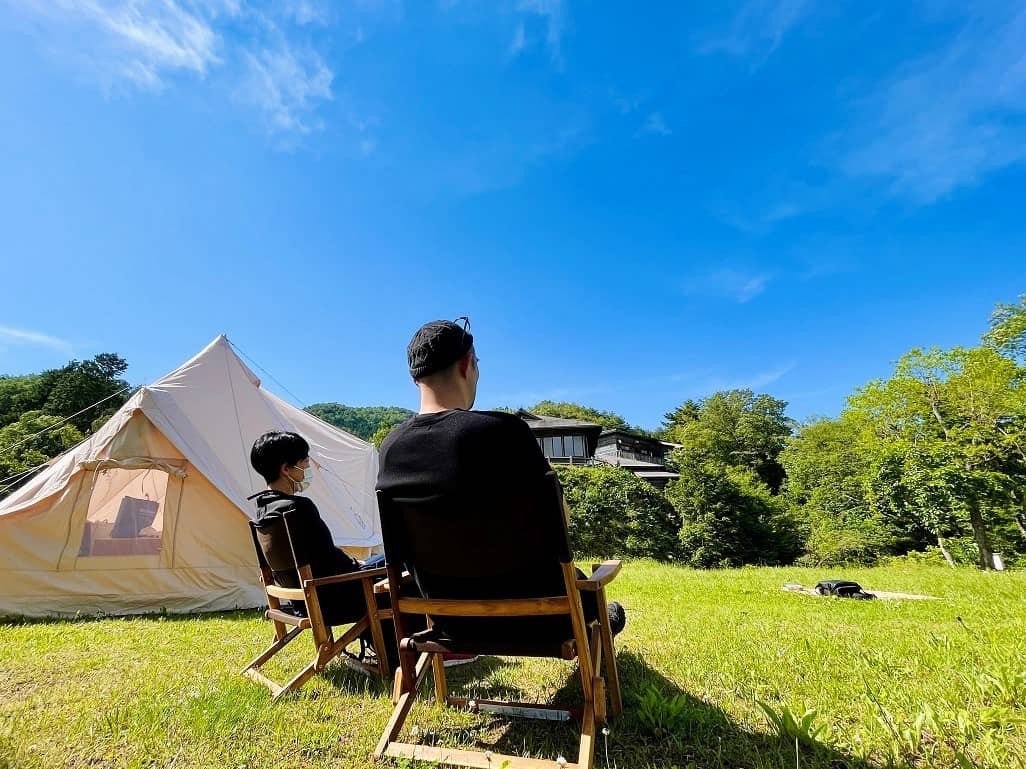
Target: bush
<point>613,513</point>
<point>730,518</point>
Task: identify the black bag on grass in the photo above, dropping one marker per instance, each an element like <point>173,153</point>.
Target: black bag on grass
<point>841,588</point>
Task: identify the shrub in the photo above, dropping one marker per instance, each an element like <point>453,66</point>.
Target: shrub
<point>613,513</point>
<point>730,518</point>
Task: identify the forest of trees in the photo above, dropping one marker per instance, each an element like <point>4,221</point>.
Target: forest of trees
<point>42,415</point>
<point>928,463</point>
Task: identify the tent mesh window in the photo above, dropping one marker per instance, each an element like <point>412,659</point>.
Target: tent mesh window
<point>126,513</point>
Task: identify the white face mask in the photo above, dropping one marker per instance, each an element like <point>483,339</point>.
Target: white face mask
<point>303,485</point>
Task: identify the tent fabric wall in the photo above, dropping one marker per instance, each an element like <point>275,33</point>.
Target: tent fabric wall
<point>197,424</point>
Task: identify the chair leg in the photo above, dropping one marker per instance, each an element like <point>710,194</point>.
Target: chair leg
<point>374,621</point>
<point>278,644</point>
<point>297,681</point>
<point>326,651</point>
<point>438,673</point>
<point>587,752</point>
<point>609,652</point>
<point>404,702</point>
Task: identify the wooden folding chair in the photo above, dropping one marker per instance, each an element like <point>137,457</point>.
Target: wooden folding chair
<point>327,646</point>
<point>493,580</point>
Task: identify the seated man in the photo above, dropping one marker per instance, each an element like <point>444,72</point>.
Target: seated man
<point>283,460</point>
<point>446,447</point>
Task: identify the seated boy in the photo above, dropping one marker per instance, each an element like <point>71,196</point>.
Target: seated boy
<point>283,459</point>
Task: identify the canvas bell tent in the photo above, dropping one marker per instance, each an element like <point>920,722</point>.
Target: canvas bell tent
<point>150,513</point>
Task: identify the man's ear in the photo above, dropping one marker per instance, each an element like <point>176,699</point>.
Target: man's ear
<point>281,470</point>
<point>465,364</point>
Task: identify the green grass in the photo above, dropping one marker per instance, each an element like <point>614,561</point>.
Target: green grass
<point>720,669</point>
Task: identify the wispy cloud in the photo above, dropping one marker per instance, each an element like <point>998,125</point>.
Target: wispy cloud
<point>519,41</point>
<point>701,382</point>
<point>655,125</point>
<point>25,337</point>
<point>552,15</point>
<point>287,85</point>
<point>757,28</point>
<point>139,42</point>
<point>952,117</point>
<point>525,398</point>
<point>739,285</point>
<point>264,52</point>
<point>503,162</point>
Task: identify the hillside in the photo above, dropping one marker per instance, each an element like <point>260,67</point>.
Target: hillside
<point>361,421</point>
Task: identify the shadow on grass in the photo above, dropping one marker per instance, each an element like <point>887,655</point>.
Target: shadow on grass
<point>696,734</point>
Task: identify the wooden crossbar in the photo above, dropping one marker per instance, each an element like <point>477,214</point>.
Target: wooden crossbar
<point>502,607</point>
<point>469,758</point>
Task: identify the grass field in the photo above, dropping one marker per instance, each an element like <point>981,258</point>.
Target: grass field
<point>880,683</point>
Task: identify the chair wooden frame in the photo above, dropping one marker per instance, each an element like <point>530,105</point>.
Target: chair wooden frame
<point>592,645</point>
<point>327,646</point>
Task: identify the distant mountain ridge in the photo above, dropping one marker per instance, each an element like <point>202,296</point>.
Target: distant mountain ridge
<point>361,421</point>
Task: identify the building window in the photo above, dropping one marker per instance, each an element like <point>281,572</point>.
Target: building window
<point>578,446</point>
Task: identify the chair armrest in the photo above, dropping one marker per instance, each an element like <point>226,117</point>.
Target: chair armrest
<point>382,587</point>
<point>352,576</point>
<point>601,575</point>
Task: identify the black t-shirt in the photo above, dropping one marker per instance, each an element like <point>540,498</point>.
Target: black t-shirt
<point>479,456</point>
<point>310,535</point>
<point>467,451</point>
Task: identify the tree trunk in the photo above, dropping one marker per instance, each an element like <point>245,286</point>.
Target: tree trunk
<point>982,540</point>
<point>944,551</point>
<point>1019,518</point>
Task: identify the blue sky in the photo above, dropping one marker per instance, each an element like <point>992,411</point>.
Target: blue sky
<point>635,204</point>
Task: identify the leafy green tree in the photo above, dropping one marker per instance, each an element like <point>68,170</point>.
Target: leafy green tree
<point>735,428</point>
<point>829,480</point>
<point>729,517</point>
<point>949,427</point>
<point>1008,328</point>
<point>68,390</point>
<point>362,421</point>
<point>19,394</point>
<point>20,452</point>
<point>381,433</point>
<point>566,410</point>
<point>613,513</point>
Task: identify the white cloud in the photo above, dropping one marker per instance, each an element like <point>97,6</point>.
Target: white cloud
<point>519,40</point>
<point>262,50</point>
<point>287,86</point>
<point>307,11</point>
<point>20,336</point>
<point>739,285</point>
<point>656,125</point>
<point>757,28</point>
<point>950,118</point>
<point>140,41</point>
<point>552,14</point>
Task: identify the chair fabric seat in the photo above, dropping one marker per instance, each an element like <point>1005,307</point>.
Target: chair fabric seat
<point>502,636</point>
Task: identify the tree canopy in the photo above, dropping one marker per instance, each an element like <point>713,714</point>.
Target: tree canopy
<point>361,421</point>
<point>735,428</point>
<point>567,410</point>
<point>57,404</point>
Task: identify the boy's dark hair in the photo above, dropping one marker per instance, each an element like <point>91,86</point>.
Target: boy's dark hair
<point>272,450</point>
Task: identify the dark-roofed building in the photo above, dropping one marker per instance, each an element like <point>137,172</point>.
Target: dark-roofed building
<point>642,455</point>
<point>564,441</point>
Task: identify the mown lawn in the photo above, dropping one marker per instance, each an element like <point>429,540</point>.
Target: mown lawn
<point>892,683</point>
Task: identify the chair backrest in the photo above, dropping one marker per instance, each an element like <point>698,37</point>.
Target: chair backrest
<point>458,547</point>
<point>273,545</point>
